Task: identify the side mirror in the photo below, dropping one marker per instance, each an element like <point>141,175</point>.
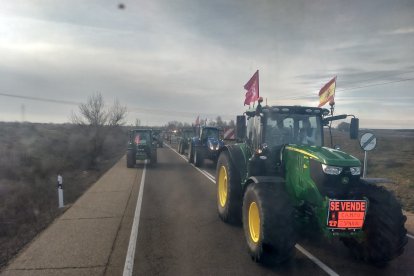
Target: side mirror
<point>241,128</point>
<point>334,118</point>
<point>354,128</point>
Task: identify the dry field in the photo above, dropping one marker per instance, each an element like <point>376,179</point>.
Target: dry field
<point>31,156</point>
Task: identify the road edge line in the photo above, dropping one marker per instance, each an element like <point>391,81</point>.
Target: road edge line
<point>325,268</point>
<point>205,173</point>
<point>129,260</point>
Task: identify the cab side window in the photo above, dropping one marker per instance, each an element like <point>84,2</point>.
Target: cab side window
<point>256,139</point>
<point>249,130</point>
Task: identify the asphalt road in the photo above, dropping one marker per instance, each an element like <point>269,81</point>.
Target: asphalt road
<point>172,207</point>
<point>180,233</point>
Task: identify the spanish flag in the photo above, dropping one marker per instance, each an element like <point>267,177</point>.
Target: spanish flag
<point>327,92</point>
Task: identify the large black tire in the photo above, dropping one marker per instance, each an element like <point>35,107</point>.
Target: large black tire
<point>229,190</point>
<point>271,238</point>
<point>198,157</point>
<point>385,234</point>
<point>130,159</point>
<point>190,154</point>
<point>179,147</point>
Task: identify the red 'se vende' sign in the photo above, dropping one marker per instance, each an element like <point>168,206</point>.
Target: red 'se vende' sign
<point>346,214</point>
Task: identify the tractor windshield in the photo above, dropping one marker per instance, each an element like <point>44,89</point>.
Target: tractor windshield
<point>141,137</point>
<point>300,129</point>
<point>210,133</point>
<point>188,133</point>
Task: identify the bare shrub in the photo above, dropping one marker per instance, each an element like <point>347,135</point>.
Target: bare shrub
<point>94,115</point>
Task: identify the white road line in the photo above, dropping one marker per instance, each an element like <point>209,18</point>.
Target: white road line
<point>324,267</point>
<point>205,173</point>
<point>318,262</point>
<point>129,260</point>
<point>410,236</point>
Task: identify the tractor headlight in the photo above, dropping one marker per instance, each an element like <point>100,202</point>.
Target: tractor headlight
<point>355,170</point>
<point>331,169</point>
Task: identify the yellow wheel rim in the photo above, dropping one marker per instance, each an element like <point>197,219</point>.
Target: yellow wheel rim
<point>254,222</point>
<point>222,186</point>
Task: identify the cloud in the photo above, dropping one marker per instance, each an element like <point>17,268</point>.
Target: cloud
<point>177,59</point>
<point>399,31</point>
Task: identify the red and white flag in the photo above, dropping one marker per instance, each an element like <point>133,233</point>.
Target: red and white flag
<point>327,93</point>
<point>137,139</point>
<point>252,87</point>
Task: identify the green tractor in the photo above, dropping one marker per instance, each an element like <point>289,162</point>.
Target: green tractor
<point>185,135</point>
<point>279,181</point>
<point>158,137</point>
<point>141,146</point>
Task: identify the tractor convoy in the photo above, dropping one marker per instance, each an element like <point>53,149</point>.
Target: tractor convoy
<point>279,181</point>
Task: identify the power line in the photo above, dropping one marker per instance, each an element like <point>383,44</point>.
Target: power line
<point>350,88</point>
<point>381,77</point>
<point>374,84</point>
<point>188,114</point>
<point>40,99</point>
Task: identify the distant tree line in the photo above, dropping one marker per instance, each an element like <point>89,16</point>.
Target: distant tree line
<point>218,122</point>
<point>343,126</point>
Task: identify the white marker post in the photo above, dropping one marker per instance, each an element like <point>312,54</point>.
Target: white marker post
<point>368,142</point>
<point>60,190</point>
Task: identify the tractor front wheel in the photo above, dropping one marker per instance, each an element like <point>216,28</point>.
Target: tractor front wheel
<point>198,157</point>
<point>229,190</point>
<point>385,234</point>
<point>268,223</point>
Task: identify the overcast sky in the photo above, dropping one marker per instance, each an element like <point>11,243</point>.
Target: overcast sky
<point>177,59</point>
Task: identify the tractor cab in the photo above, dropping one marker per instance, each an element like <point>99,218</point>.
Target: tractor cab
<point>278,126</point>
<point>275,126</point>
<point>209,132</point>
<point>187,133</point>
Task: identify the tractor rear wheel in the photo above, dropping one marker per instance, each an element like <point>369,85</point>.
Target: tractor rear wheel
<point>130,159</point>
<point>198,157</point>
<point>180,148</point>
<point>385,234</point>
<point>190,154</point>
<point>268,223</point>
<point>229,190</point>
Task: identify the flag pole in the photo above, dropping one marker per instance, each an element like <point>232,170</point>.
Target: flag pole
<point>332,103</point>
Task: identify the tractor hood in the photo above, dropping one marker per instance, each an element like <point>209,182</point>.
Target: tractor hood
<point>214,143</point>
<point>326,155</point>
